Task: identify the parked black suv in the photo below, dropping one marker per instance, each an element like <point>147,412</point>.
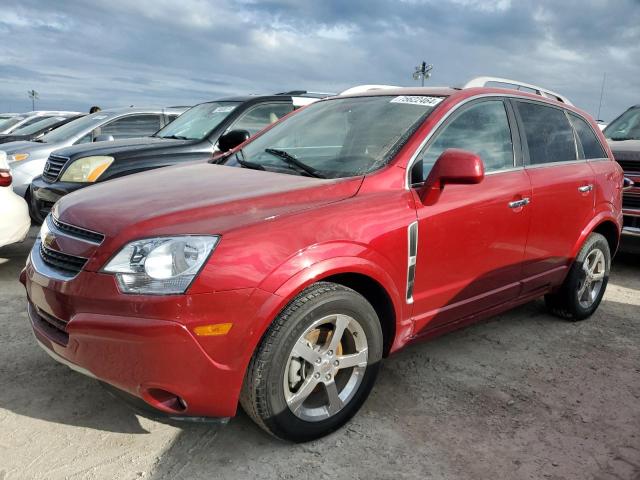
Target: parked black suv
<point>196,135</point>
<point>623,135</point>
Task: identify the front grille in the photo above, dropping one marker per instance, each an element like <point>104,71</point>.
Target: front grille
<point>68,264</point>
<point>53,167</point>
<point>629,201</point>
<point>77,231</point>
<point>630,165</point>
<point>52,327</point>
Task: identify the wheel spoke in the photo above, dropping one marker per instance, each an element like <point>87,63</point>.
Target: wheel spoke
<point>296,401</point>
<point>303,350</point>
<point>582,290</point>
<point>342,322</point>
<point>335,402</point>
<point>353,360</point>
<point>597,276</point>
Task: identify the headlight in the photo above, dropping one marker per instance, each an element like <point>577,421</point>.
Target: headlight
<point>164,265</point>
<point>87,169</point>
<point>18,157</point>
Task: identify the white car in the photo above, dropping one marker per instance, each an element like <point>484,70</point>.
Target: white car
<point>14,212</point>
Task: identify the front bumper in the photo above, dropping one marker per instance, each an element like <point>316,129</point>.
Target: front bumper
<point>44,195</point>
<point>145,345</point>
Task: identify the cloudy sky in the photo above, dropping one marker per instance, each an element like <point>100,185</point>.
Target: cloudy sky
<point>162,52</point>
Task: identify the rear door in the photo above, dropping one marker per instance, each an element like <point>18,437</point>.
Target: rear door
<point>471,241</point>
<point>562,184</point>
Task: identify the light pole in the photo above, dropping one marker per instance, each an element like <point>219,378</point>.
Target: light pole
<point>423,71</point>
<point>33,95</point>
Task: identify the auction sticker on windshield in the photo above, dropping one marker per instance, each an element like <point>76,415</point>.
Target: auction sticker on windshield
<point>223,109</point>
<point>417,100</point>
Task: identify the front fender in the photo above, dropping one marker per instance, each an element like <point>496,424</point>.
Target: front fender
<point>333,258</point>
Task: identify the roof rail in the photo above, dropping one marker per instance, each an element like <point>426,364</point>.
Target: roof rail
<point>543,92</point>
<point>366,88</point>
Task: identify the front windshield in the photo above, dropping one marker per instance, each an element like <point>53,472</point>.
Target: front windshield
<point>75,127</point>
<point>343,137</point>
<point>625,127</point>
<point>36,127</point>
<point>10,122</point>
<point>198,122</point>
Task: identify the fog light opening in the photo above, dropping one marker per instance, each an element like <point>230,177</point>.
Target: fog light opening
<point>165,401</point>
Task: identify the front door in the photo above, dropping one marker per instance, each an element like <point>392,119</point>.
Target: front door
<point>471,241</point>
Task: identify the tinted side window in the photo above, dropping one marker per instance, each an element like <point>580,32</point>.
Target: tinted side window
<point>131,126</point>
<point>482,129</point>
<point>549,134</point>
<point>590,144</point>
<point>256,118</point>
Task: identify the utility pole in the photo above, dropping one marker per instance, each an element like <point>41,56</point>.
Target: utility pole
<point>604,79</point>
<point>33,95</point>
<point>422,72</point>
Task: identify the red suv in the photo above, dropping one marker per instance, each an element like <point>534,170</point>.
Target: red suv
<point>280,277</point>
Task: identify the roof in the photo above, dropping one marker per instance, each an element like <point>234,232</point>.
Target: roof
<point>386,92</point>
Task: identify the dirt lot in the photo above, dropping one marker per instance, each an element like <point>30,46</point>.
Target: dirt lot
<point>523,396</point>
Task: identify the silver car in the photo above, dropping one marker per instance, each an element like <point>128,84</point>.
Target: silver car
<point>16,121</point>
<point>27,159</point>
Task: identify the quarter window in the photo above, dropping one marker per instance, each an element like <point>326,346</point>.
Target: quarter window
<point>259,117</point>
<point>482,128</point>
<point>549,134</point>
<point>591,147</point>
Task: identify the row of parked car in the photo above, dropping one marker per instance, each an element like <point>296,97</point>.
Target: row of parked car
<point>299,248</point>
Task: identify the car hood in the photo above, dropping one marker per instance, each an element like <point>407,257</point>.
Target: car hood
<point>121,148</point>
<point>195,199</point>
<point>625,149</point>
<point>27,147</point>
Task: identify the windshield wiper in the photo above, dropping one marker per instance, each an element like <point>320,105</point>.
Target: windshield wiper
<point>291,160</point>
<point>248,164</point>
<point>177,137</point>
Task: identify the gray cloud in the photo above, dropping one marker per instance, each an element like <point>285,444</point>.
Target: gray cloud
<point>163,52</point>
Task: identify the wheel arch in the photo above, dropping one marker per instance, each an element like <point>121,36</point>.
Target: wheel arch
<point>604,223</point>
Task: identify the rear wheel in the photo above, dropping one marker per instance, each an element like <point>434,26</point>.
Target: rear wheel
<point>584,287</point>
<point>315,365</point>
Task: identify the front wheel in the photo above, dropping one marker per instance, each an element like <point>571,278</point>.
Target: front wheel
<point>315,365</point>
<point>584,287</point>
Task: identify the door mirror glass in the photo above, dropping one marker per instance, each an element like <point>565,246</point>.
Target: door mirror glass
<point>232,139</point>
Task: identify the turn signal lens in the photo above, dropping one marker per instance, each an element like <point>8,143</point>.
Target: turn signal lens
<point>18,157</point>
<point>213,330</point>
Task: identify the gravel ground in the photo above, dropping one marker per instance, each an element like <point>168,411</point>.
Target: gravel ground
<point>523,396</point>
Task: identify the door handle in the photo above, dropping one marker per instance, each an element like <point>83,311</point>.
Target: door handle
<point>519,203</point>
<point>585,188</point>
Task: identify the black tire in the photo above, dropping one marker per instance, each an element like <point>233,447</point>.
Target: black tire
<point>263,396</point>
<point>565,303</point>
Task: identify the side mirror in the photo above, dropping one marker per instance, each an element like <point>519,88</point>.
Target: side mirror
<point>454,166</point>
<point>104,138</point>
<point>232,139</point>
<point>627,183</point>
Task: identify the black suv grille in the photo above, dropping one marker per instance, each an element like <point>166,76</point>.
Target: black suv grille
<point>77,231</point>
<point>630,165</point>
<point>630,202</point>
<point>53,167</point>
<point>69,264</point>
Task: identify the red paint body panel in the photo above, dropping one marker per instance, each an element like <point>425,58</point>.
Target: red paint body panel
<point>281,233</point>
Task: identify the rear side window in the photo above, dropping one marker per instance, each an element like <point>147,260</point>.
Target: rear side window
<point>482,129</point>
<point>259,117</point>
<point>591,147</point>
<point>131,126</point>
<point>549,134</point>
